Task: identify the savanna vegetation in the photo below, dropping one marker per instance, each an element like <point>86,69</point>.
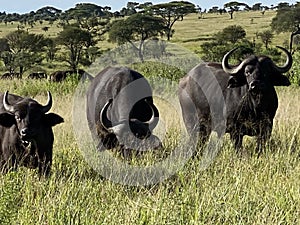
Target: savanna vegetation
<point>231,190</point>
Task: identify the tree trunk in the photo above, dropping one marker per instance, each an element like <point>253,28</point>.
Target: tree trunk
<point>141,56</point>
<point>292,38</point>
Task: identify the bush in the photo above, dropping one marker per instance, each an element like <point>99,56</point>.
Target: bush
<point>32,88</point>
<point>158,70</point>
<point>294,73</point>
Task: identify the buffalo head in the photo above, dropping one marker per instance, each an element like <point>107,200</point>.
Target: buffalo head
<point>257,72</point>
<point>28,116</point>
<point>132,130</point>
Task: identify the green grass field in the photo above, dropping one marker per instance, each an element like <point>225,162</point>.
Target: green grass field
<point>190,32</point>
<point>232,190</point>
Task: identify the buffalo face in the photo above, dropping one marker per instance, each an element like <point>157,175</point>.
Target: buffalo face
<point>132,132</point>
<point>29,117</point>
<point>257,72</point>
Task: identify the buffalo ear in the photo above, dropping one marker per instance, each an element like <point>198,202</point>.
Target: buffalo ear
<point>53,119</point>
<point>280,81</point>
<point>7,120</point>
<point>236,81</point>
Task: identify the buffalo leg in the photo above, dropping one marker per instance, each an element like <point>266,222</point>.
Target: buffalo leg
<point>265,131</point>
<point>44,165</point>
<point>261,141</point>
<point>237,140</point>
<point>9,163</point>
<point>203,134</point>
<point>108,142</point>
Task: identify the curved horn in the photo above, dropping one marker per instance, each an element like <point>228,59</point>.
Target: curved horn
<point>6,104</point>
<point>48,105</point>
<point>288,63</point>
<point>153,121</point>
<point>225,65</point>
<point>105,122</point>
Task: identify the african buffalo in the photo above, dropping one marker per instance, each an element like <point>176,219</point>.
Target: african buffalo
<point>59,75</point>
<point>11,75</point>
<point>26,133</point>
<point>120,110</point>
<point>6,76</point>
<point>37,75</point>
<point>239,100</point>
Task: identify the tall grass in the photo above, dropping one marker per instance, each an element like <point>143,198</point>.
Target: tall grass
<point>231,190</point>
<point>32,88</point>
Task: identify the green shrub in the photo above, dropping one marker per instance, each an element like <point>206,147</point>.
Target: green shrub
<point>294,73</point>
<point>27,87</point>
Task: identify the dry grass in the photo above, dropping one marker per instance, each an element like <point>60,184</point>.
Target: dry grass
<point>231,190</point>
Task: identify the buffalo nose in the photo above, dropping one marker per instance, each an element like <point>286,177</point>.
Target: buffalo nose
<point>255,85</point>
<point>24,131</point>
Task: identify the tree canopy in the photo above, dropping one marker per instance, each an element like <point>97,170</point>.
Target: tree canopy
<point>287,19</point>
<point>266,37</point>
<point>234,6</point>
<point>22,50</point>
<point>75,40</point>
<point>231,34</point>
<point>86,10</point>
<point>171,12</point>
<point>135,30</point>
<point>225,40</point>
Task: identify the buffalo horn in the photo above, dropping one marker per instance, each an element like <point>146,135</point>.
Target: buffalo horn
<point>288,63</point>
<point>105,122</point>
<point>48,105</point>
<point>225,65</point>
<point>6,104</point>
<point>153,120</point>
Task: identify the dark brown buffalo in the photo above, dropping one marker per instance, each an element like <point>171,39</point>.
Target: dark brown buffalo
<point>120,110</point>
<point>37,75</point>
<point>11,75</point>
<point>26,133</point>
<point>239,100</point>
<point>59,75</point>
<point>6,76</point>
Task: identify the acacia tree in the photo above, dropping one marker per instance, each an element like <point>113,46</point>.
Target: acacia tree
<point>231,34</point>
<point>90,17</point>
<point>23,50</point>
<point>234,6</point>
<point>5,54</point>
<point>224,41</point>
<point>171,12</point>
<point>257,7</point>
<point>76,41</point>
<point>50,49</point>
<point>266,37</point>
<point>287,19</point>
<point>136,29</point>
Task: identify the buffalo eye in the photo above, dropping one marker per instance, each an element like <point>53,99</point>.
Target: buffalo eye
<point>17,117</point>
<point>248,71</point>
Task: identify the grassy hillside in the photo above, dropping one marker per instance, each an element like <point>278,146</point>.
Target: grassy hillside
<point>189,32</point>
<point>231,190</point>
